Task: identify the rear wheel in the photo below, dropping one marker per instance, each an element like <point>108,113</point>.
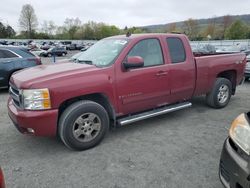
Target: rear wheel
<point>63,54</point>
<point>221,93</point>
<point>83,125</point>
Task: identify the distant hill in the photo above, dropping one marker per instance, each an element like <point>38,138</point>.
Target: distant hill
<point>202,23</point>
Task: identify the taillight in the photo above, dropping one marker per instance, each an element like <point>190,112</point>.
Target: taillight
<point>37,60</point>
<point>2,183</point>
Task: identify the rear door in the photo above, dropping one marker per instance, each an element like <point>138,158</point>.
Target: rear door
<point>182,73</point>
<point>7,65</point>
<point>146,87</point>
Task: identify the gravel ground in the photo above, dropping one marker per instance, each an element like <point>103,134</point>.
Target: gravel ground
<point>181,149</point>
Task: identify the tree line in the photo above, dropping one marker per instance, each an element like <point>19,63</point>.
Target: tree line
<point>73,28</point>
<point>6,31</point>
<point>226,29</point>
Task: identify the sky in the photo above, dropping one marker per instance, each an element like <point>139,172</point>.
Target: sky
<point>122,12</point>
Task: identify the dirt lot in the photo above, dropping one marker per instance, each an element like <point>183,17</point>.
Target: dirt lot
<point>181,149</point>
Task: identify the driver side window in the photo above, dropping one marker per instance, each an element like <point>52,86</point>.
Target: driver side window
<point>149,50</point>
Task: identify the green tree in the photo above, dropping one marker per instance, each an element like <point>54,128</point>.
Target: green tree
<point>190,27</point>
<point>238,30</point>
<point>171,28</point>
<point>6,31</point>
<point>28,20</point>
<point>227,21</point>
<point>72,25</point>
<point>2,30</point>
<point>89,30</point>
<point>10,32</point>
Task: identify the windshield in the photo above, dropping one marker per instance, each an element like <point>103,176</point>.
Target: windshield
<point>103,53</point>
<point>74,57</point>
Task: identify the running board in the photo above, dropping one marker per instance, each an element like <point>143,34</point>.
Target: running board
<point>153,113</point>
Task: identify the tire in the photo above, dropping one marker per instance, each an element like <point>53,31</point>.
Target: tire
<point>83,125</point>
<point>63,54</point>
<point>49,55</point>
<point>221,93</point>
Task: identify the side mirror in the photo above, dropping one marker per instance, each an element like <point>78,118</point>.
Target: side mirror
<point>133,62</point>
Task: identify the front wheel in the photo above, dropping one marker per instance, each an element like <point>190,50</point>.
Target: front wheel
<point>221,93</point>
<point>83,125</point>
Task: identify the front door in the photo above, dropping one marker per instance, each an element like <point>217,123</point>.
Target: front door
<point>146,87</point>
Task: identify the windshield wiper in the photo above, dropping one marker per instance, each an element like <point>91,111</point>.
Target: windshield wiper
<point>84,61</point>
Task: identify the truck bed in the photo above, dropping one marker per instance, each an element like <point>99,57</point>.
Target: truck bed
<point>209,66</point>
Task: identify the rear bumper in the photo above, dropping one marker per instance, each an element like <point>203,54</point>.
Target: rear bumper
<point>234,170</point>
<point>43,123</point>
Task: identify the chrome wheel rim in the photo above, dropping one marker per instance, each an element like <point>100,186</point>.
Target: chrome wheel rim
<point>86,127</point>
<point>223,93</point>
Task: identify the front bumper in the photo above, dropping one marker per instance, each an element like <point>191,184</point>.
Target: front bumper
<point>234,169</point>
<point>43,123</point>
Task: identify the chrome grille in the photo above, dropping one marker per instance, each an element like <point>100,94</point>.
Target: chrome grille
<point>15,95</point>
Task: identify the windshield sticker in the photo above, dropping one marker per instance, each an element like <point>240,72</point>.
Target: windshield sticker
<point>122,42</point>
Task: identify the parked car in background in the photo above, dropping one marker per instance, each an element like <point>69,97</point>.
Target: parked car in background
<point>228,49</point>
<point>203,49</point>
<point>2,182</point>
<point>4,42</point>
<point>66,44</point>
<point>38,51</point>
<point>45,47</point>
<point>247,70</point>
<point>75,46</point>
<point>70,59</point>
<point>13,59</point>
<point>234,169</point>
<point>58,51</point>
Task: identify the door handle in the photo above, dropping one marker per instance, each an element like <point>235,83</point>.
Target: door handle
<point>161,73</point>
<point>6,62</point>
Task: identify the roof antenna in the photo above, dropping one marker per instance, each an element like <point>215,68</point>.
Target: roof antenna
<point>128,34</point>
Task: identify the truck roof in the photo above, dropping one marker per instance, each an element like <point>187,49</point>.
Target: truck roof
<point>145,35</point>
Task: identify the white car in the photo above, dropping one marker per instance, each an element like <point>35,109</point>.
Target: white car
<point>247,70</point>
<point>38,51</point>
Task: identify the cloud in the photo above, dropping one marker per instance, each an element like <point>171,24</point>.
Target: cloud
<point>123,12</point>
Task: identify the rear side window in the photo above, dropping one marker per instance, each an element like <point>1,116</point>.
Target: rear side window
<point>176,50</point>
<point>149,50</point>
<point>7,54</point>
<point>25,53</point>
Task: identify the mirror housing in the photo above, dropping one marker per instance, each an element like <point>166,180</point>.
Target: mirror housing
<point>133,62</point>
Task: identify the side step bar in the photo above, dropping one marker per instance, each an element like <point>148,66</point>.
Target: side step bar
<point>153,113</point>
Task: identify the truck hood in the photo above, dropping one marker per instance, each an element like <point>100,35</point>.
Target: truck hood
<point>26,78</point>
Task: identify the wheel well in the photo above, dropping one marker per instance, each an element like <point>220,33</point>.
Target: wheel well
<point>10,74</point>
<point>96,97</point>
<point>230,75</point>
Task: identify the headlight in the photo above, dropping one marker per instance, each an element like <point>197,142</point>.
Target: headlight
<point>36,99</point>
<point>240,133</point>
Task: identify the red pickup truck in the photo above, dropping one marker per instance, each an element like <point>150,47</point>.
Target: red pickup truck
<point>119,80</point>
